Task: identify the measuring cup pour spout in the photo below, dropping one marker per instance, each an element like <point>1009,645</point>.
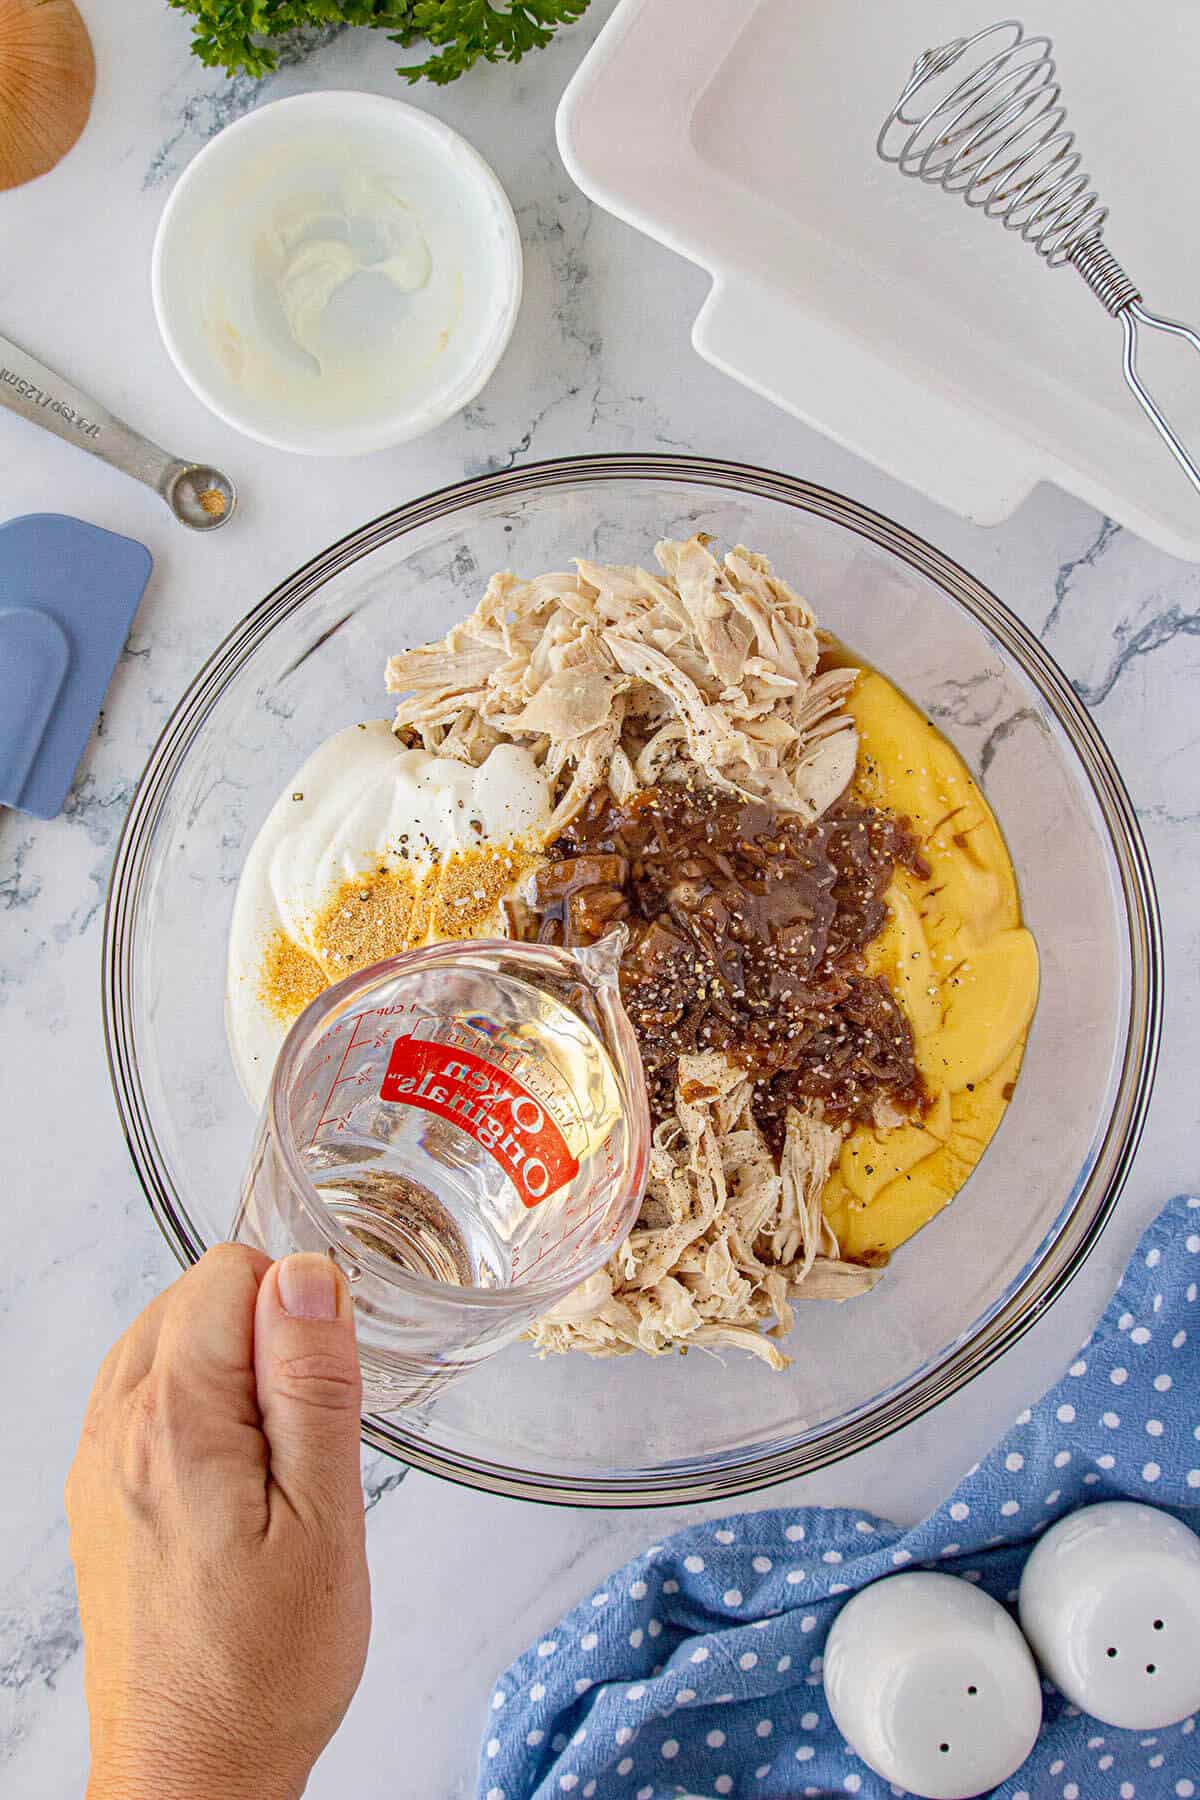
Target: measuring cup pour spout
<point>600,1001</point>
<point>603,960</point>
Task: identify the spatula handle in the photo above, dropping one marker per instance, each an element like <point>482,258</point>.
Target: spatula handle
<point>29,388</point>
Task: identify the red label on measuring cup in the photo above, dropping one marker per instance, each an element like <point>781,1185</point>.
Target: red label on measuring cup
<point>487,1103</point>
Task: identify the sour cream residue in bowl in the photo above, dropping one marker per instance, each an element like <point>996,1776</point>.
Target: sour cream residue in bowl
<point>337,272</point>
<point>316,253</point>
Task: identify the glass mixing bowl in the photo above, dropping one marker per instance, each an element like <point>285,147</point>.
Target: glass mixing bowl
<point>309,660</point>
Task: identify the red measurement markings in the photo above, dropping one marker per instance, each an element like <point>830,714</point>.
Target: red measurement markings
<point>324,1118</point>
<point>564,1237</point>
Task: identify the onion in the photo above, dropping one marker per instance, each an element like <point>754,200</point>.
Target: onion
<point>47,78</point>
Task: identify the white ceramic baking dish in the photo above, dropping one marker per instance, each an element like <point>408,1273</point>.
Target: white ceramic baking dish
<point>741,133</point>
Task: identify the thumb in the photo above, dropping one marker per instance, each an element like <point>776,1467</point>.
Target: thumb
<point>309,1384</point>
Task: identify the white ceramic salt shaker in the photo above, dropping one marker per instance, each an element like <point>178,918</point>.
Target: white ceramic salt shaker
<point>1110,1602</point>
<point>931,1683</point>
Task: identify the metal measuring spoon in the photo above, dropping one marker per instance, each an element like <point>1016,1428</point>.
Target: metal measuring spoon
<point>200,497</point>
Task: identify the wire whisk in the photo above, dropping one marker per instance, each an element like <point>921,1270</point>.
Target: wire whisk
<point>994,130</point>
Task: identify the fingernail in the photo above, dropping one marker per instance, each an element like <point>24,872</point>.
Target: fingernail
<point>308,1286</point>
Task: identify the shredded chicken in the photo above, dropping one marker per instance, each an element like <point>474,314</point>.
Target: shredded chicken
<point>725,1241</point>
<point>617,675</point>
<point>707,674</point>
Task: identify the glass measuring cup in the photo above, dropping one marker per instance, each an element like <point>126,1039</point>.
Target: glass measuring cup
<point>465,1129</point>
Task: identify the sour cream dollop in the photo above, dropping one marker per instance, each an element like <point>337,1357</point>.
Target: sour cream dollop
<point>361,801</point>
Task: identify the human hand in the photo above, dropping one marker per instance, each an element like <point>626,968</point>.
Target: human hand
<point>217,1533</point>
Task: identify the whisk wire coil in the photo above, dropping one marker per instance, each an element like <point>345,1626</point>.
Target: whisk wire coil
<point>997,135</point>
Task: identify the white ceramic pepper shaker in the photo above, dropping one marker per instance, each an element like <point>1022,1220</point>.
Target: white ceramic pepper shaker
<point>1110,1602</point>
<point>931,1683</point>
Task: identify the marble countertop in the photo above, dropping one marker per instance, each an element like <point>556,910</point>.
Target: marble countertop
<point>600,361</point>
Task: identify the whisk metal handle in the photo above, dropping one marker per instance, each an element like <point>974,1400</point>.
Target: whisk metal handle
<point>1120,295</point>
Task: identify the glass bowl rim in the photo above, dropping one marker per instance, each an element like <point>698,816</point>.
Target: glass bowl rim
<point>1085,1213</point>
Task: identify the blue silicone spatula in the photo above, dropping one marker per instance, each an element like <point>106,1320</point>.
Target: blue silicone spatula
<point>68,593</point>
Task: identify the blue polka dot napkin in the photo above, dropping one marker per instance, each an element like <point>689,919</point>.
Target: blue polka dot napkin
<point>696,1670</point>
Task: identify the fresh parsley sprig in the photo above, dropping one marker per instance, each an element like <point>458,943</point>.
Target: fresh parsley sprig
<point>245,36</point>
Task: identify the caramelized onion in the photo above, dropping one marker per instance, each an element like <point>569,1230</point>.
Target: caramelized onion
<point>746,935</point>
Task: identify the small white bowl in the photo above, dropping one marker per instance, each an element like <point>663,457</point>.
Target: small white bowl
<point>391,364</point>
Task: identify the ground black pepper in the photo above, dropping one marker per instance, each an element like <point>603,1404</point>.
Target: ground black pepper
<point>747,931</point>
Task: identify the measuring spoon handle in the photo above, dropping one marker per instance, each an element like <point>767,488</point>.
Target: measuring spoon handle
<point>30,389</point>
